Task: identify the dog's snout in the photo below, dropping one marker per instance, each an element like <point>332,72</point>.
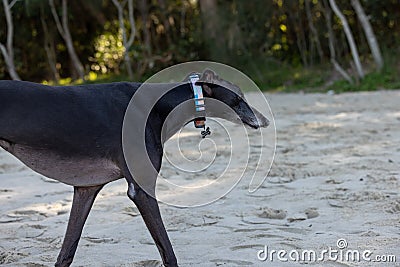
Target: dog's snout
<point>261,119</point>
<point>263,122</point>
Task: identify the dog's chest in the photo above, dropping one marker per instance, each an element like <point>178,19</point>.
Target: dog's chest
<point>76,171</point>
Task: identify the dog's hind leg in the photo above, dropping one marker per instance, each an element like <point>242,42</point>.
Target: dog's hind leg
<point>81,205</point>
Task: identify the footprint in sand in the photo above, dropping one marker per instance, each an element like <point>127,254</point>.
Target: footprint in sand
<point>22,215</point>
<point>131,211</point>
<point>31,231</point>
<point>394,207</point>
<point>308,214</point>
<point>311,213</point>
<point>36,212</point>
<point>269,213</point>
<point>10,256</point>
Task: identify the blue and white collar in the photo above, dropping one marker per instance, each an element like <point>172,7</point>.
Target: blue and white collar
<point>200,118</point>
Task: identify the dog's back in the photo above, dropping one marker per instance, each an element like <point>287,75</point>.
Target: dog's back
<point>48,117</point>
<point>65,132</point>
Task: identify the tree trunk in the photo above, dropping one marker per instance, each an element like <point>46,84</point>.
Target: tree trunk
<point>314,32</point>
<point>146,33</point>
<point>63,28</point>
<point>70,45</point>
<point>215,40</point>
<point>210,17</point>
<point>182,26</point>
<point>8,50</point>
<point>127,42</point>
<point>331,37</point>
<point>293,15</point>
<point>369,33</point>
<point>349,37</point>
<point>49,48</point>
<point>164,18</point>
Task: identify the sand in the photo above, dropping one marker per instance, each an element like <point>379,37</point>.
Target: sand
<point>336,175</point>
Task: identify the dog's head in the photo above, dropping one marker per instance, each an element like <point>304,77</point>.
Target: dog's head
<point>221,90</point>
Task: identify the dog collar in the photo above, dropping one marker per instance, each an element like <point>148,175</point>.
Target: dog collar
<point>200,108</point>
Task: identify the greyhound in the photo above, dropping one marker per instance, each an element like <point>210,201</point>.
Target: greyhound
<point>73,134</point>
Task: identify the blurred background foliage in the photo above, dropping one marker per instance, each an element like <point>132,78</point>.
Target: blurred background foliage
<point>283,45</point>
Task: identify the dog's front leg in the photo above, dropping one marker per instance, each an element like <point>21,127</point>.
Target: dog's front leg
<point>148,208</point>
<point>150,212</point>
<point>81,205</point>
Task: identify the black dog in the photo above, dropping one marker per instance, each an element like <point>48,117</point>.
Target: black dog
<point>73,134</point>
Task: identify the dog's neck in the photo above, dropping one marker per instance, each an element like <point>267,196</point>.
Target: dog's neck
<point>174,109</point>
<point>179,93</point>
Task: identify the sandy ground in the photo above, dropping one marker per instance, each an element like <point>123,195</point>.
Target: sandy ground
<point>336,175</point>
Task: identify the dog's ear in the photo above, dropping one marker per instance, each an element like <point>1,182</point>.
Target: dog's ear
<point>208,76</point>
<point>206,79</point>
